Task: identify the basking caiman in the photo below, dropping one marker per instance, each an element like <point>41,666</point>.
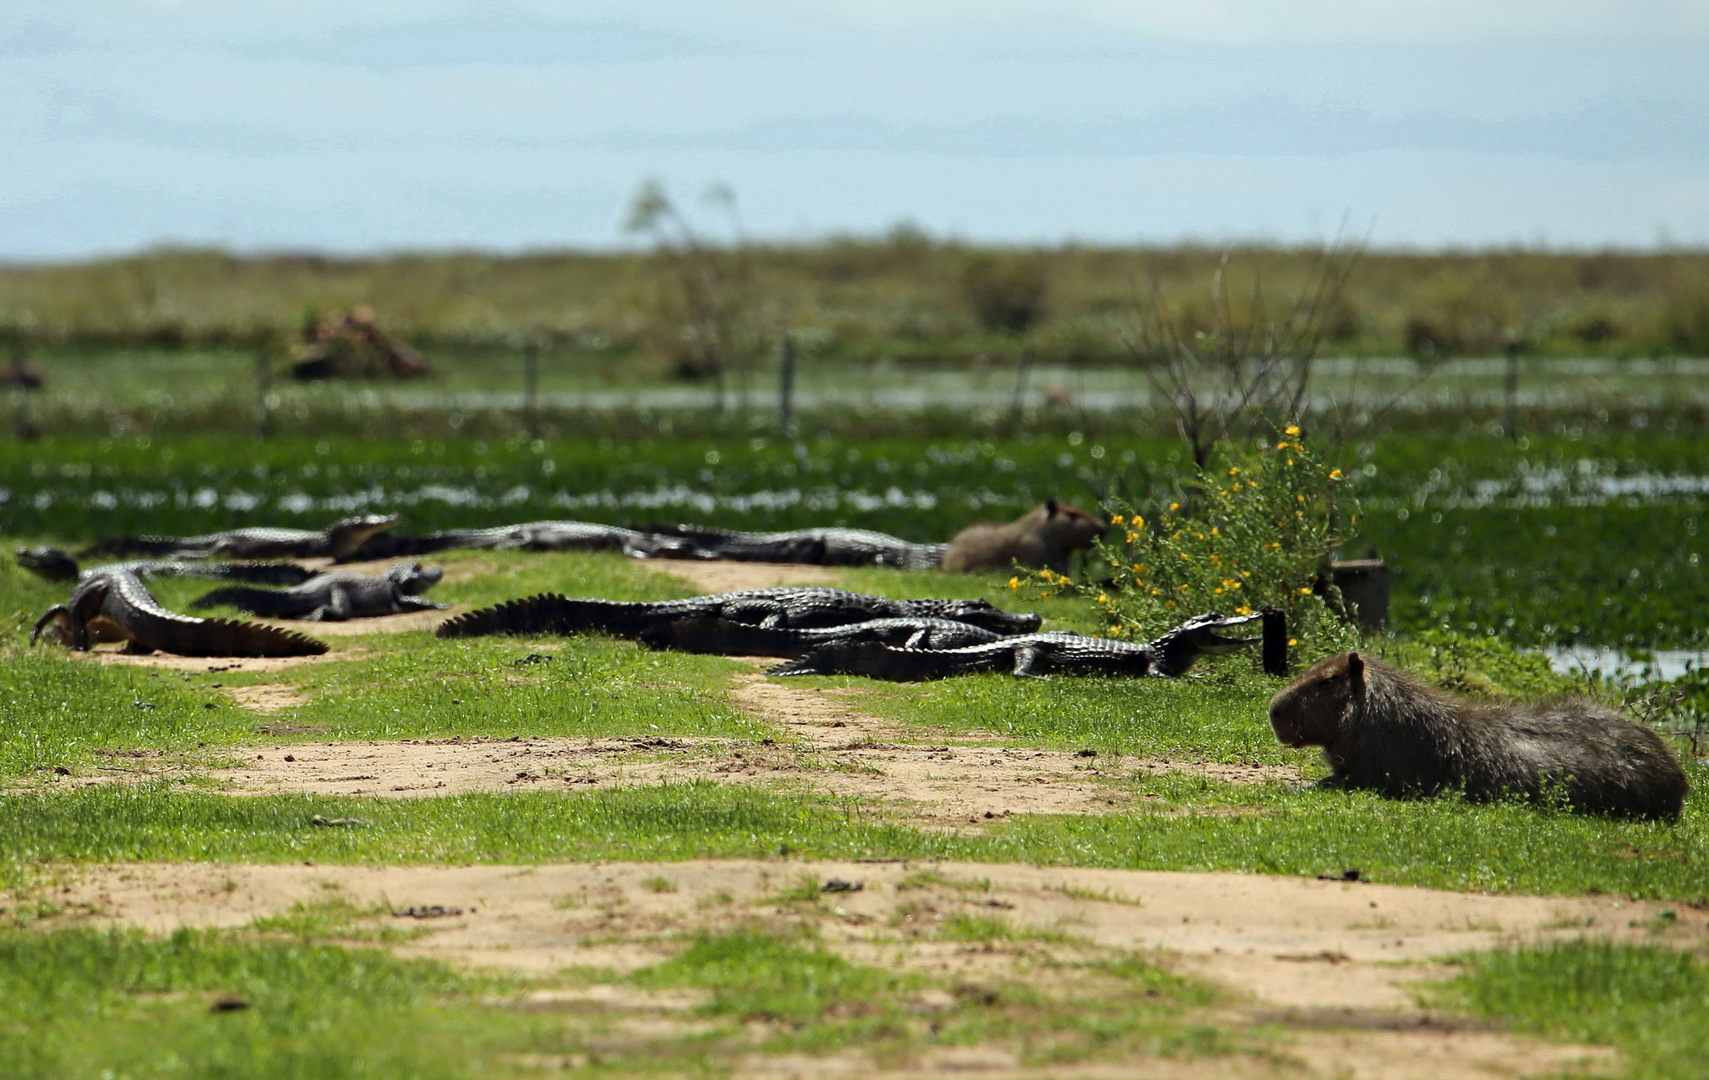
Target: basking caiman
<point>57,565</point>
<point>824,547</point>
<point>262,543</point>
<point>725,638</point>
<point>1030,655</point>
<point>797,607</point>
<point>530,536</point>
<point>336,596</point>
<point>116,606</point>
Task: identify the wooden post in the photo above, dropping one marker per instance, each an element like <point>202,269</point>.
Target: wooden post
<point>786,386</point>
<point>263,388</point>
<point>1018,405</point>
<point>531,387</point>
<point>1512,388</point>
<point>20,379</point>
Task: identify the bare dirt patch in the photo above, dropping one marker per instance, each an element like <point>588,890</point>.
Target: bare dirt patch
<point>1353,1016</point>
<point>717,577</point>
<point>114,654</point>
<point>378,624</point>
<point>267,697</point>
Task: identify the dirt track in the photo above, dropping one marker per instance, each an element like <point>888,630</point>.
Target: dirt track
<point>1337,961</point>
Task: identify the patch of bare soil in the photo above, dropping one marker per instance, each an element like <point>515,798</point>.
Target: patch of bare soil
<point>1332,964</point>
<point>378,624</point>
<point>115,654</point>
<point>717,577</point>
<point>267,697</point>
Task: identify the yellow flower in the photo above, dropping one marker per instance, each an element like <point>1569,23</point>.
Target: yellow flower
<point>1045,574</point>
<point>1138,522</point>
<point>1044,596</point>
<point>1174,507</point>
<point>1217,592</point>
<point>1281,446</point>
<point>1116,519</point>
<point>1301,498</point>
<point>1292,429</point>
<point>1305,590</point>
<point>1293,641</point>
<point>1168,603</point>
<point>1233,472</point>
<point>1132,537</point>
<point>1103,599</point>
<point>1234,584</point>
<point>1243,609</point>
<point>1215,531</point>
<point>1180,587</point>
<point>1014,583</point>
<point>1335,474</point>
<point>1139,568</point>
<point>1290,461</point>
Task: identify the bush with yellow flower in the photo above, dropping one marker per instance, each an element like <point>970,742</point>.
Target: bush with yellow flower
<point>1250,531</point>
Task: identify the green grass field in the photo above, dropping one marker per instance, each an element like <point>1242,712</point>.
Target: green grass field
<point>1533,546</point>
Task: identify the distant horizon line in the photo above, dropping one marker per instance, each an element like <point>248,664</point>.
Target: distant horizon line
<point>881,239</point>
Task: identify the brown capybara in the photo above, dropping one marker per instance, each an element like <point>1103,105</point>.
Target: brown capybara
<point>1383,730</point>
<point>1042,539</point>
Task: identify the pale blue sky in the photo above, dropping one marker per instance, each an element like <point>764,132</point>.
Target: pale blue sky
<point>374,126</point>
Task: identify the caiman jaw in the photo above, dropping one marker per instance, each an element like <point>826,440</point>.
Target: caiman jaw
<point>1210,639</point>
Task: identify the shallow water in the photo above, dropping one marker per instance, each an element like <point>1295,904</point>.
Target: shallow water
<point>1662,664</point>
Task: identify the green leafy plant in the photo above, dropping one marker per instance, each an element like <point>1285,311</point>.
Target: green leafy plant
<point>1250,532</point>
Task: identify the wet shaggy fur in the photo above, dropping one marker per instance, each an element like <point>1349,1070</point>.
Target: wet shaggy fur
<point>1383,730</point>
<point>1042,539</point>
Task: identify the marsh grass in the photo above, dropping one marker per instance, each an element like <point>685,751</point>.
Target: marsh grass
<point>1650,1002</point>
<point>77,1002</point>
<point>1182,822</point>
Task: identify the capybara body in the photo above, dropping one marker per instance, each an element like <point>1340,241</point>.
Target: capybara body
<point>1042,539</point>
<point>1383,730</point>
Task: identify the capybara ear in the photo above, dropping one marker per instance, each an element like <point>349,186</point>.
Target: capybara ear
<point>1052,507</point>
<point>1356,672</point>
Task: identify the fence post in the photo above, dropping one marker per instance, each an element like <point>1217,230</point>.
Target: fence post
<point>531,388</point>
<point>786,386</point>
<point>1511,389</point>
<point>21,379</point>
<point>1018,406</point>
<point>263,388</point>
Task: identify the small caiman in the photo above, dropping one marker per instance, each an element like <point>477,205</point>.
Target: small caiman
<point>788,606</point>
<point>824,547</point>
<point>723,637</point>
<point>116,606</point>
<point>335,596</point>
<point>1033,655</point>
<point>529,536</point>
<point>57,565</point>
<point>336,541</point>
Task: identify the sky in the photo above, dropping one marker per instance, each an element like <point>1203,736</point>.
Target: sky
<point>365,126</point>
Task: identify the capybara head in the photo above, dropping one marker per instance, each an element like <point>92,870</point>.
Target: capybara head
<point>1069,527</point>
<point>1309,710</point>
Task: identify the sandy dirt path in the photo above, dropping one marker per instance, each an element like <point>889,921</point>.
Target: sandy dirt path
<point>1338,963</point>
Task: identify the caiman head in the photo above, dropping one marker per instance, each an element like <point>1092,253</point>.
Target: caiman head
<point>348,535</point>
<point>1201,635</point>
<point>412,578</point>
<point>49,562</point>
<point>983,613</point>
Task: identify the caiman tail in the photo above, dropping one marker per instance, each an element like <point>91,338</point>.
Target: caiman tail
<point>115,605</point>
<point>547,613</point>
<point>233,637</point>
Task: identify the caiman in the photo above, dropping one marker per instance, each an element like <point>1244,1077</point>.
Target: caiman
<point>57,565</point>
<point>261,543</point>
<point>1034,655</point>
<point>529,536</point>
<point>335,596</point>
<point>725,638</point>
<point>788,606</point>
<point>824,547</point>
<point>116,606</point>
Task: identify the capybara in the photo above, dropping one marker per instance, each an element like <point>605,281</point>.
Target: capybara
<point>1042,539</point>
<point>1383,730</point>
